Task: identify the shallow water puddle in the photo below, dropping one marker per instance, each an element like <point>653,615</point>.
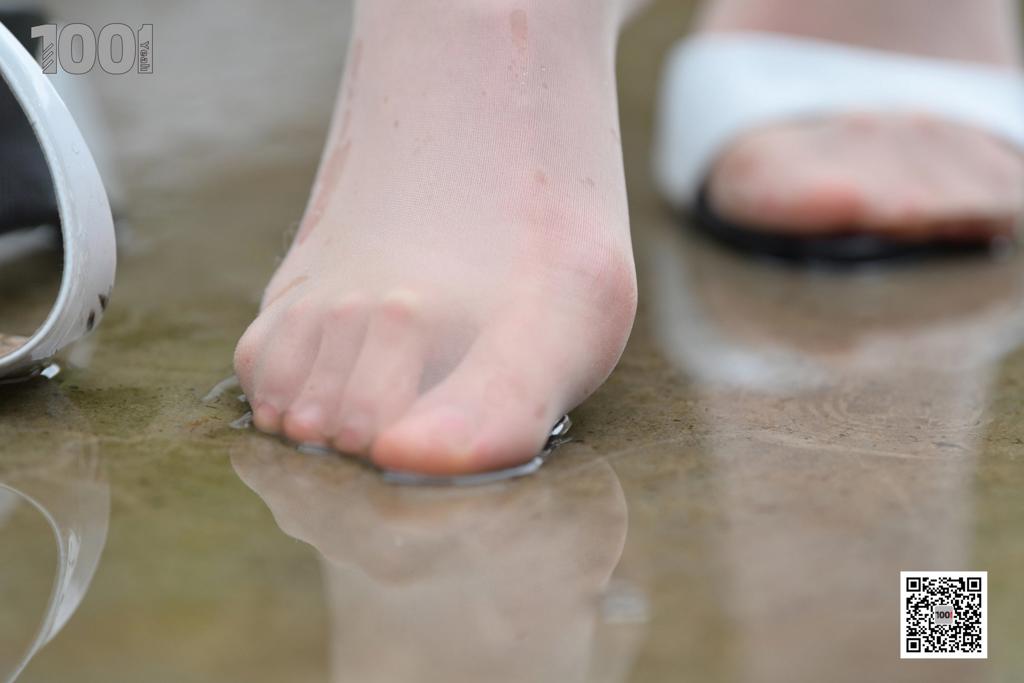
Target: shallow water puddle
<point>559,435</point>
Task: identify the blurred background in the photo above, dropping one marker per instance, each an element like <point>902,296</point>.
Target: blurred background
<point>776,446</point>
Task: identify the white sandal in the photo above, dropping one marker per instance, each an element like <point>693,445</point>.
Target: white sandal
<point>87,226</point>
<point>719,86</point>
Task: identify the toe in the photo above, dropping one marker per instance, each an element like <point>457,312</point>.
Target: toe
<point>386,376</point>
<point>773,181</point>
<point>496,408</point>
<point>825,202</point>
<point>342,328</point>
<point>902,176</point>
<point>276,361</point>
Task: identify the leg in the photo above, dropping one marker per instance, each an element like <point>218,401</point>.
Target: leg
<point>908,176</point>
<point>463,273</point>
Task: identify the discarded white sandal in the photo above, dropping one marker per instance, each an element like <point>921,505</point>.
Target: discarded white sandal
<point>719,86</point>
<point>87,227</point>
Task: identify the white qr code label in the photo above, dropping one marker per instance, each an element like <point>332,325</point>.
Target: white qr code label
<point>943,615</point>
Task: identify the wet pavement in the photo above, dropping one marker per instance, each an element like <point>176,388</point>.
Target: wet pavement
<point>738,501</point>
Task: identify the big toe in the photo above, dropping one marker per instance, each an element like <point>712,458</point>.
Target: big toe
<point>495,410</point>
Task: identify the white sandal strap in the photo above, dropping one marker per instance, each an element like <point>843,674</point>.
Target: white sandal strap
<point>86,223</point>
<point>718,86</point>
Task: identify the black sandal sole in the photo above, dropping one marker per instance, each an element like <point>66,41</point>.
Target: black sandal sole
<point>849,249</point>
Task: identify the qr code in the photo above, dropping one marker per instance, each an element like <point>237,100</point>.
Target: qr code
<point>943,615</point>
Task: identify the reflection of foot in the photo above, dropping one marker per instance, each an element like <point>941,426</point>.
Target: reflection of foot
<point>512,574</point>
<point>907,176</point>
<point>463,274</point>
